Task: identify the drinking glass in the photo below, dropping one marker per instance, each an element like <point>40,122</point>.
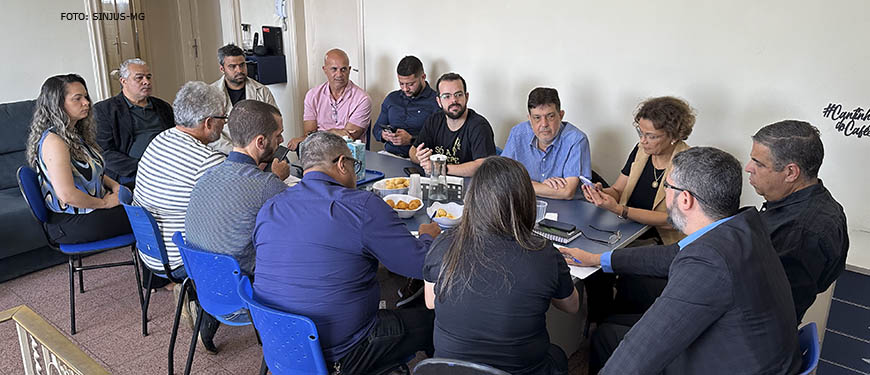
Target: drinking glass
<point>541,210</point>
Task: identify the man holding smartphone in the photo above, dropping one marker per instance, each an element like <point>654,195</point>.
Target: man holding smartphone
<point>555,152</point>
<point>404,111</point>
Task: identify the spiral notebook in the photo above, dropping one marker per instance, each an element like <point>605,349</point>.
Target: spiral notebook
<point>556,235</point>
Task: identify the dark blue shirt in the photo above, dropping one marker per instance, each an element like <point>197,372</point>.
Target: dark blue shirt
<point>318,246</point>
<point>403,112</point>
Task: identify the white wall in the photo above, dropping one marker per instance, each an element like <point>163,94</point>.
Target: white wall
<point>38,45</point>
<point>741,65</point>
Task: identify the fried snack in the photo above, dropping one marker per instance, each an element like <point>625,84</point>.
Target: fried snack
<point>397,183</point>
<point>391,203</point>
<point>416,203</point>
<point>402,205</point>
<point>443,213</point>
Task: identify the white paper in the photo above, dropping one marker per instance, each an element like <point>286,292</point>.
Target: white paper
<point>551,216</point>
<point>580,272</point>
<point>292,180</point>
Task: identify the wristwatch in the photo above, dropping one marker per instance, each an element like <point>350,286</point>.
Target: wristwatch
<point>624,214</point>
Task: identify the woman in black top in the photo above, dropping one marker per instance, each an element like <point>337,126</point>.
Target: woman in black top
<point>491,280</point>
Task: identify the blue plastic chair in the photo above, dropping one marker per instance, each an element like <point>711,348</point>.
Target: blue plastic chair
<point>439,366</point>
<point>498,150</point>
<point>215,278</point>
<point>291,344</point>
<point>149,241</point>
<point>808,337</point>
<point>28,183</point>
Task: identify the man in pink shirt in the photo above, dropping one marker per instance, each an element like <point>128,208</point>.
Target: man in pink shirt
<point>338,105</point>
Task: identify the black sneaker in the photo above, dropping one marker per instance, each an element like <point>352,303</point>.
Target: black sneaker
<point>409,292</point>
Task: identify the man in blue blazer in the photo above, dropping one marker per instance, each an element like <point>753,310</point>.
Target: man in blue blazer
<point>727,307</point>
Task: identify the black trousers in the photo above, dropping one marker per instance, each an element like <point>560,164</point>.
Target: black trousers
<point>607,337</point>
<point>97,225</point>
<point>397,335</point>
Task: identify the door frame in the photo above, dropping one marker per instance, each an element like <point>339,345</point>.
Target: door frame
<point>102,87</point>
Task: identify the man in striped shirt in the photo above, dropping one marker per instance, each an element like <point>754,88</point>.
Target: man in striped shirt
<point>172,164</point>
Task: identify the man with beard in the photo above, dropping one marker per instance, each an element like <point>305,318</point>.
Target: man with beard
<point>127,122</point>
<point>236,86</point>
<point>456,131</point>
<point>338,105</point>
<point>727,304</point>
<point>807,226</point>
<point>404,111</point>
<point>172,164</point>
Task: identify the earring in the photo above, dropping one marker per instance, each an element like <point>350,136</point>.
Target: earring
<point>673,142</point>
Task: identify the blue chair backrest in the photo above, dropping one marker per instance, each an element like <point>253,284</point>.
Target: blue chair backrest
<point>290,342</point>
<point>28,183</point>
<point>148,238</point>
<point>216,277</point>
<point>437,366</point>
<point>808,337</point>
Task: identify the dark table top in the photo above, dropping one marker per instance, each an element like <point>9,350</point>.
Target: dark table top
<point>577,211</point>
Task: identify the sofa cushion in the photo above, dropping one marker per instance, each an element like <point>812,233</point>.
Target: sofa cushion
<point>18,229</point>
<point>15,125</point>
<point>14,129</point>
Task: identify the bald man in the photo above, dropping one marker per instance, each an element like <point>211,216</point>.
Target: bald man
<point>338,105</point>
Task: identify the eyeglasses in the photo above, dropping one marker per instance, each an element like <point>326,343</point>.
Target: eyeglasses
<point>447,95</point>
<point>649,136</point>
<point>357,165</point>
<point>669,186</point>
<point>220,117</point>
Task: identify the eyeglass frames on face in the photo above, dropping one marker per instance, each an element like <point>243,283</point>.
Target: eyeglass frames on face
<point>357,165</point>
<point>220,117</point>
<point>448,96</point>
<point>669,186</point>
<point>650,137</point>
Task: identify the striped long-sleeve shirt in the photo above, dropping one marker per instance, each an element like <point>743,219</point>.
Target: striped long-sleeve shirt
<point>168,170</point>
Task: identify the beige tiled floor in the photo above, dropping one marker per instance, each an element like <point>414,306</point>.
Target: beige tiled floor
<point>109,326</point>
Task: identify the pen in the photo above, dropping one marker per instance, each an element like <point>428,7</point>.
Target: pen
<point>576,260</point>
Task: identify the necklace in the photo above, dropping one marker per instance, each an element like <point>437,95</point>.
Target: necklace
<point>656,178</point>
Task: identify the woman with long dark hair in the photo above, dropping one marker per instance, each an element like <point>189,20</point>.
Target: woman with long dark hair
<point>491,280</point>
<point>82,202</point>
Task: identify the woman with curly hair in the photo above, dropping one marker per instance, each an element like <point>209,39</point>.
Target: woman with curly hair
<point>82,202</point>
<point>662,124</point>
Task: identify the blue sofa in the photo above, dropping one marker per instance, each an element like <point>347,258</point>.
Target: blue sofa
<point>23,248</point>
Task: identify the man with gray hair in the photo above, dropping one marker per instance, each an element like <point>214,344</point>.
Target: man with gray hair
<point>806,224</point>
<point>318,246</point>
<point>174,161</point>
<point>235,85</point>
<point>127,122</point>
<point>727,303</point>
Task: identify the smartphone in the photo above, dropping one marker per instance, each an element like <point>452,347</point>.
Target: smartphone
<point>562,226</point>
<point>281,153</point>
<point>389,128</point>
<point>586,181</point>
<point>414,170</point>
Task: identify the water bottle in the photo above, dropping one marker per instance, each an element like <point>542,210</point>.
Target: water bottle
<point>438,178</point>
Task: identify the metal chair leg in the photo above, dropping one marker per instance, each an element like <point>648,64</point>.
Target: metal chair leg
<point>174,334</point>
<point>139,289</point>
<point>145,304</point>
<point>81,277</point>
<point>196,328</point>
<point>263,367</point>
<point>72,297</point>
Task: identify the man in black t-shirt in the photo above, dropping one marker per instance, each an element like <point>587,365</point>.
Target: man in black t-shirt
<point>456,131</point>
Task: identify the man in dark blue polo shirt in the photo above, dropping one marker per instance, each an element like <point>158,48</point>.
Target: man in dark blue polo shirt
<point>404,110</point>
<point>318,246</point>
